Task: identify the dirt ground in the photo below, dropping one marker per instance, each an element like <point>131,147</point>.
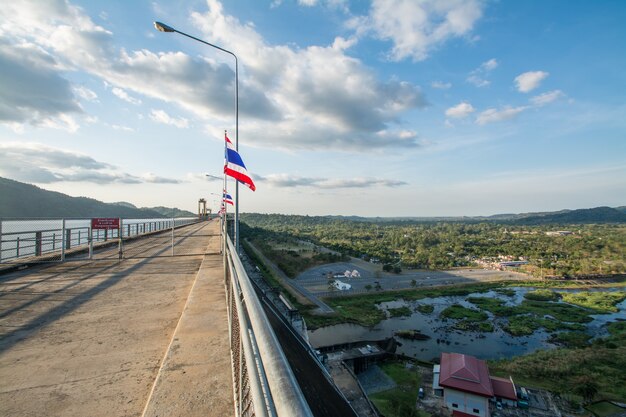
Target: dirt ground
<point>315,279</point>
<point>88,338</point>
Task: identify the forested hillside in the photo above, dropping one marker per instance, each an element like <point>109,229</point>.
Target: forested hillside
<point>24,200</point>
<point>581,249</point>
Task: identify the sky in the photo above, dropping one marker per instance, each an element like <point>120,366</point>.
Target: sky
<point>369,108</point>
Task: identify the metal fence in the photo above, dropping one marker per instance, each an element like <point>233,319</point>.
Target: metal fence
<point>264,382</point>
<point>50,240</point>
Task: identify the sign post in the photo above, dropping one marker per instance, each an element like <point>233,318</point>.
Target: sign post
<point>108,223</point>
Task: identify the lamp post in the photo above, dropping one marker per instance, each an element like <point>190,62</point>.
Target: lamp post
<point>162,27</point>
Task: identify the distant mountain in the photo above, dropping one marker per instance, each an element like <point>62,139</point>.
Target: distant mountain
<point>163,211</point>
<point>18,199</point>
<point>171,212</point>
<point>124,204</point>
<point>580,216</point>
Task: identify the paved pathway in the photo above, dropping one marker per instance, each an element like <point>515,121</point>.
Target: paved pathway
<point>108,338</point>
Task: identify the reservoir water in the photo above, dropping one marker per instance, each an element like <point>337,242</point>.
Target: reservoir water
<point>443,338</point>
<point>18,238</point>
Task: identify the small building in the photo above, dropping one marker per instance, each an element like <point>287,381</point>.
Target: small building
<point>513,264</point>
<point>437,389</point>
<point>341,285</point>
<point>466,384</point>
<point>504,391</point>
<point>560,233</point>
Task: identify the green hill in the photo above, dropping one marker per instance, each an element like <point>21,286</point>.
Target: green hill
<point>580,216</point>
<point>18,199</point>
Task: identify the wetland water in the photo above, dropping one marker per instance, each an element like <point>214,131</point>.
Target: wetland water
<point>444,338</point>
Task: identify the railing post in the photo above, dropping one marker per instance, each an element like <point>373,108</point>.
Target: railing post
<point>37,243</point>
<point>119,237</point>
<point>68,237</point>
<point>106,234</point>
<point>172,236</point>
<point>65,243</point>
<point>1,241</point>
<point>90,243</point>
<point>17,247</point>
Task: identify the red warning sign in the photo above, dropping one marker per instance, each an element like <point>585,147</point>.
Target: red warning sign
<point>105,223</point>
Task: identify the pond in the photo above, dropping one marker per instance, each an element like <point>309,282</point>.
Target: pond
<point>444,338</point>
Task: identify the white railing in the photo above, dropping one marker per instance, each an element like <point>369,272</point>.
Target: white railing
<point>51,239</point>
<point>264,384</point>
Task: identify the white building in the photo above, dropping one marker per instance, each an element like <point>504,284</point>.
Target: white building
<point>467,387</point>
<point>341,285</point>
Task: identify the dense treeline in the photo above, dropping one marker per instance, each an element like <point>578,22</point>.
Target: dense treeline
<point>286,251</point>
<point>590,249</point>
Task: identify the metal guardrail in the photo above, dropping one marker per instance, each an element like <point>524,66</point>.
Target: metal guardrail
<point>264,384</point>
<point>51,239</point>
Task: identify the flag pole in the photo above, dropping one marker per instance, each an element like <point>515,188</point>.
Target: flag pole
<point>224,209</point>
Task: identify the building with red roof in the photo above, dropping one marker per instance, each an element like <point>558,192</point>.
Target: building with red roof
<point>466,384</point>
<point>504,390</point>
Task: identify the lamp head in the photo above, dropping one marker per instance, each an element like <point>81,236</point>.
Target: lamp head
<point>162,27</point>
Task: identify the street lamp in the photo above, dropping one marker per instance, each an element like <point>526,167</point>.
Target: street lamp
<point>162,27</point>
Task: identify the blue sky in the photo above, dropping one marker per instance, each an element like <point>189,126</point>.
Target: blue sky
<point>381,108</point>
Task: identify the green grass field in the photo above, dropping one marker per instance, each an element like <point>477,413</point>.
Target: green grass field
<point>399,401</point>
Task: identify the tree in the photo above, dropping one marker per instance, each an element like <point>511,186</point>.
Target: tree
<point>413,283</point>
<point>368,287</point>
<point>586,387</point>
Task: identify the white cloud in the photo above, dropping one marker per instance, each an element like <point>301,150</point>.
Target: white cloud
<point>346,107</point>
<point>85,93</point>
<point>149,177</point>
<point>460,111</point>
<point>478,81</point>
<point>33,91</point>
<point>489,65</point>
<point>478,76</point>
<point>124,96</point>
<point>494,115</point>
<point>79,44</point>
<point>284,91</point>
<point>123,128</point>
<point>415,28</point>
<point>440,85</point>
<point>545,98</point>
<point>333,4</point>
<point>160,116</point>
<point>38,163</point>
<point>530,80</point>
<point>289,181</point>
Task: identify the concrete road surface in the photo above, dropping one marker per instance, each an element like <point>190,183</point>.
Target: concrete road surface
<point>110,338</point>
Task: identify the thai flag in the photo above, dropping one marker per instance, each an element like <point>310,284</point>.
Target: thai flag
<point>235,167</point>
<point>228,199</point>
